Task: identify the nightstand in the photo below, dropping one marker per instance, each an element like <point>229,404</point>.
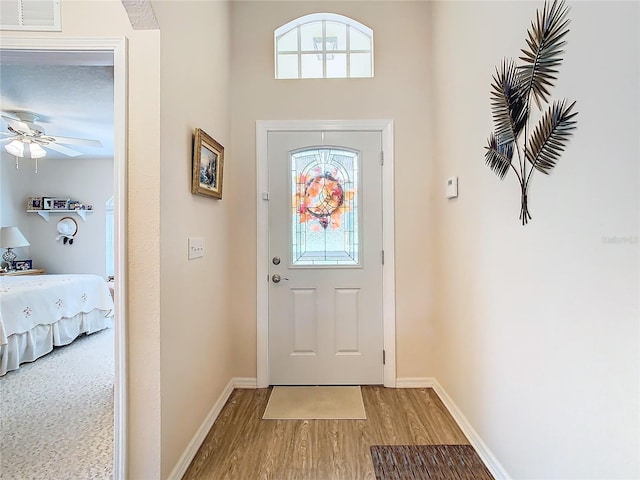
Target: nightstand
<point>33,271</point>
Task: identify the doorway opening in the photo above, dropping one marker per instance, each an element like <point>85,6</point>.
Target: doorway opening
<point>115,49</point>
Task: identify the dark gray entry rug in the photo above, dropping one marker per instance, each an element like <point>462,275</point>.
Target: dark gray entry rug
<point>428,462</point>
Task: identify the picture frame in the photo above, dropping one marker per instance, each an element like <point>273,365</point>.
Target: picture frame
<point>208,165</point>
<point>23,265</point>
<point>59,204</point>
<point>34,203</point>
<point>46,203</point>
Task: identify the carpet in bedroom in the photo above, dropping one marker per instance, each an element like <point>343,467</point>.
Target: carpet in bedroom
<point>56,414</point>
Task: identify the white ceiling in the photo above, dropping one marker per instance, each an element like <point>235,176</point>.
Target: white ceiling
<point>71,92</point>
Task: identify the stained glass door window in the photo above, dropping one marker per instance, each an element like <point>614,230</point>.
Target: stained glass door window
<point>324,208</point>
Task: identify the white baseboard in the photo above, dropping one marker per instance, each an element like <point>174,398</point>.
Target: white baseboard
<point>190,452</point>
<point>245,382</point>
<point>413,382</point>
<point>489,459</point>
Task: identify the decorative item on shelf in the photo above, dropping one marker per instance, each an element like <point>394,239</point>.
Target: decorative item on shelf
<point>10,238</point>
<point>79,206</point>
<point>46,203</point>
<point>208,162</point>
<point>23,264</point>
<point>67,228</point>
<point>513,89</point>
<point>59,204</point>
<point>34,203</point>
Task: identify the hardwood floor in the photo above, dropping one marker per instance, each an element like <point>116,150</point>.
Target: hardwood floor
<point>242,446</point>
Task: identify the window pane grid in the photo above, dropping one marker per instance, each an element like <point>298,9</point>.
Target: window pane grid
<point>324,48</point>
<point>316,52</point>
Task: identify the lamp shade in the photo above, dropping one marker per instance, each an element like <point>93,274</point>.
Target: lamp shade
<point>12,237</point>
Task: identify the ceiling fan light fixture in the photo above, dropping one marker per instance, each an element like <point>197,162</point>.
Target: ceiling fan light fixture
<point>15,148</point>
<point>35,150</point>
<point>23,149</point>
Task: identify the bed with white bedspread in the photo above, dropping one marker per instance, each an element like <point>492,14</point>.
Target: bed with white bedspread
<point>38,312</point>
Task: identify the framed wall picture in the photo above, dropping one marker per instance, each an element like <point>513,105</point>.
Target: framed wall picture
<point>34,203</point>
<point>208,162</point>
<point>59,204</point>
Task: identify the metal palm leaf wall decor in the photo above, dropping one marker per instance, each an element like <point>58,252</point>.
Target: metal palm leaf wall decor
<point>512,91</point>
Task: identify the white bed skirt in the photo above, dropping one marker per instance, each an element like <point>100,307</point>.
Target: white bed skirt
<point>40,340</point>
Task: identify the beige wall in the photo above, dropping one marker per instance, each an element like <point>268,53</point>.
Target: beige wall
<point>98,19</point>
<point>400,91</point>
<point>12,206</point>
<point>196,326</point>
<point>537,326</point>
<point>78,179</point>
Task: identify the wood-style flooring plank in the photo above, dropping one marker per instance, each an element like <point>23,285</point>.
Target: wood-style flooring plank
<point>242,446</point>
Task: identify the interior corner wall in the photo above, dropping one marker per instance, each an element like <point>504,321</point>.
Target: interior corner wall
<point>538,324</point>
<point>399,91</point>
<point>196,363</point>
<point>108,19</point>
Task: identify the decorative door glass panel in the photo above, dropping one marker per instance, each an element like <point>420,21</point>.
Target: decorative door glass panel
<point>324,208</point>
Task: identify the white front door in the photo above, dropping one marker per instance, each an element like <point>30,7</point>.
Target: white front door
<point>325,251</point>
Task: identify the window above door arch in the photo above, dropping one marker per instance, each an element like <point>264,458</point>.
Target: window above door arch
<point>323,45</point>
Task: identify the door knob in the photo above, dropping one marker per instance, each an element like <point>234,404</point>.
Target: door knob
<point>276,278</point>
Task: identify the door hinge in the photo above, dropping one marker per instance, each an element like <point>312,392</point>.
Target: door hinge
<point>384,357</point>
<point>265,196</point>
<point>382,257</point>
<point>382,158</point>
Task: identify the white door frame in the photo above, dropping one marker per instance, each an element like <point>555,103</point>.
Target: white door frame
<point>385,127</point>
<point>119,48</point>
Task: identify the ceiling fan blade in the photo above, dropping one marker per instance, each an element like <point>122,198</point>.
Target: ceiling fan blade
<point>5,134</point>
<point>85,142</point>
<point>17,124</point>
<point>59,148</point>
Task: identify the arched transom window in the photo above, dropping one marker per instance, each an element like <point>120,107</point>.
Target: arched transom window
<point>323,45</point>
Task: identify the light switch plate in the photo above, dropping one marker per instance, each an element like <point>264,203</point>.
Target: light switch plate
<point>452,187</point>
<point>196,248</point>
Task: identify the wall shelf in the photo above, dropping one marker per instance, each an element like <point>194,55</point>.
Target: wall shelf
<point>45,213</point>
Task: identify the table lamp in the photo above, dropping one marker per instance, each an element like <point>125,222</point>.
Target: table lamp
<point>10,238</point>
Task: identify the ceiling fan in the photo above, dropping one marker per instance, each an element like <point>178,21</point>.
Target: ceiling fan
<point>27,138</point>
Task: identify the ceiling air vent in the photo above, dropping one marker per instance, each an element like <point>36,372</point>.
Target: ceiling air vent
<point>32,15</point>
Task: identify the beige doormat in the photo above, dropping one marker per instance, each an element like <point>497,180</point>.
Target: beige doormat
<point>315,403</point>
